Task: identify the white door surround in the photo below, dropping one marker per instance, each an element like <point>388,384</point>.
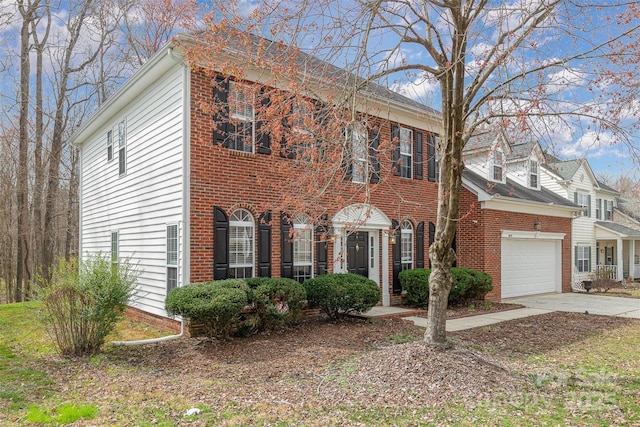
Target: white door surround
<point>364,217</point>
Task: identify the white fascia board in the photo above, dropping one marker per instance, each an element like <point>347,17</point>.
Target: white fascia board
<point>605,233</point>
<point>147,75</point>
<point>525,206</point>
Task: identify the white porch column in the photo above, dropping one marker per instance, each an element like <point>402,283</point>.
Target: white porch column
<point>632,256</point>
<point>386,298</point>
<point>620,275</point>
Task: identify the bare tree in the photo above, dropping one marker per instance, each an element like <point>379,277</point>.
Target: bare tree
<point>490,64</point>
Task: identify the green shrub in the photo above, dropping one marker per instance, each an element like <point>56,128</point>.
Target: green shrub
<point>416,284</point>
<point>468,285</point>
<point>278,301</point>
<point>337,294</point>
<point>84,300</point>
<point>216,305</point>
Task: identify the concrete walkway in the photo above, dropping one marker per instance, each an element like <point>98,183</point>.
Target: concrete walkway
<point>534,305</point>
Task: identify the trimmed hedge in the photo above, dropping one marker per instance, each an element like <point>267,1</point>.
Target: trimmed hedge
<point>216,305</point>
<point>467,285</point>
<point>238,307</point>
<point>343,293</point>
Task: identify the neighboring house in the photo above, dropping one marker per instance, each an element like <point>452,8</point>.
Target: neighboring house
<point>603,243</point>
<point>176,188</point>
<point>523,229</point>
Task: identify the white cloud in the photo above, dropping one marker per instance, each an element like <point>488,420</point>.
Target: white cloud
<point>422,89</point>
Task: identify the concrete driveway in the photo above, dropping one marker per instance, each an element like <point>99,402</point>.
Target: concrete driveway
<point>581,302</point>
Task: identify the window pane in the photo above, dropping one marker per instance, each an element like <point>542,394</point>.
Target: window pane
<point>172,278</point>
<point>172,245</point>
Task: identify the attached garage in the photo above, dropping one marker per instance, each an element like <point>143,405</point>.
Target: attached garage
<point>531,263</point>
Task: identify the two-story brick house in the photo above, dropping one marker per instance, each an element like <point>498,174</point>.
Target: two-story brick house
<point>188,193</point>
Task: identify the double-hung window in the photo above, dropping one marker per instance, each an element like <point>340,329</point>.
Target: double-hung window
<point>608,210</point>
<point>534,174</point>
<point>583,200</point>
<point>498,165</point>
<point>406,153</point>
<point>302,249</point>
<point>599,209</point>
<point>406,245</point>
<point>172,257</point>
<point>360,156</point>
<point>583,258</point>
<point>109,145</point>
<point>241,244</point>
<point>242,118</point>
<point>114,249</point>
<point>122,144</point>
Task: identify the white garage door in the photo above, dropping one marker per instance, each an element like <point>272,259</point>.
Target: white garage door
<point>530,266</point>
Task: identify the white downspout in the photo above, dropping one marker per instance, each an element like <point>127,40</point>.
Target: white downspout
<point>152,340</point>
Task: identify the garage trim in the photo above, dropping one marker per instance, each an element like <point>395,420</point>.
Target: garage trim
<point>518,234</point>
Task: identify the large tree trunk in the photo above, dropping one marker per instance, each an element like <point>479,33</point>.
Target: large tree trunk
<point>22,189</point>
<point>450,183</point>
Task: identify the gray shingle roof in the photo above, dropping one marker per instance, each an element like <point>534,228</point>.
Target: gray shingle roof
<point>565,169</point>
<point>514,190</point>
<point>619,228</point>
<point>481,140</point>
<point>521,150</point>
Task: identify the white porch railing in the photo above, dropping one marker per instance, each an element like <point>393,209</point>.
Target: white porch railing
<point>606,272</point>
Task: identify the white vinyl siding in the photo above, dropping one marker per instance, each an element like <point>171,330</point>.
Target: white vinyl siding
<point>141,203</point>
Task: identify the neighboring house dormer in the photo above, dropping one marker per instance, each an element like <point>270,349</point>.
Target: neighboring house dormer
<point>486,154</point>
<point>524,162</point>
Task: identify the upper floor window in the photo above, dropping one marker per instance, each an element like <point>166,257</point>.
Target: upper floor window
<point>242,118</point>
<point>172,257</point>
<point>583,200</point>
<point>357,138</point>
<point>406,153</point>
<point>241,244</point>
<point>406,245</point>
<point>302,248</point>
<point>122,144</point>
<point>608,210</point>
<point>598,210</point>
<point>534,174</point>
<point>498,165</point>
<point>109,145</point>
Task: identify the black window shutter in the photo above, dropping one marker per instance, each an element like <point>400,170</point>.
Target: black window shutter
<point>322,253</point>
<point>264,245</point>
<point>420,245</point>
<point>220,244</point>
<point>395,137</point>
<point>221,117</point>
<point>431,157</point>
<point>397,261</point>
<point>286,247</point>
<point>432,237</point>
<point>374,137</point>
<point>418,157</point>
<point>263,138</point>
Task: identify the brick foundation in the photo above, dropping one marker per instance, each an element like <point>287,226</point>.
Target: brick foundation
<point>161,322</point>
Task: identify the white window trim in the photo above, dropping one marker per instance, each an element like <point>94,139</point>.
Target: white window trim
<point>303,224</point>
<point>406,230</point>
<point>235,116</point>
<point>122,146</point>
<point>169,264</point>
<point>582,251</point>
<point>244,224</point>
<point>495,164</point>
<point>356,134</point>
<point>109,145</point>
<point>584,203</point>
<point>599,209</point>
<point>406,154</point>
<point>532,173</point>
<point>114,259</point>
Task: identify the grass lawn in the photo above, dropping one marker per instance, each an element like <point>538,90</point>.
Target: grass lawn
<point>594,380</point>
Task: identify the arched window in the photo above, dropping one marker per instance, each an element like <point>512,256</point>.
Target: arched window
<point>406,245</point>
<point>302,248</point>
<point>241,244</point>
